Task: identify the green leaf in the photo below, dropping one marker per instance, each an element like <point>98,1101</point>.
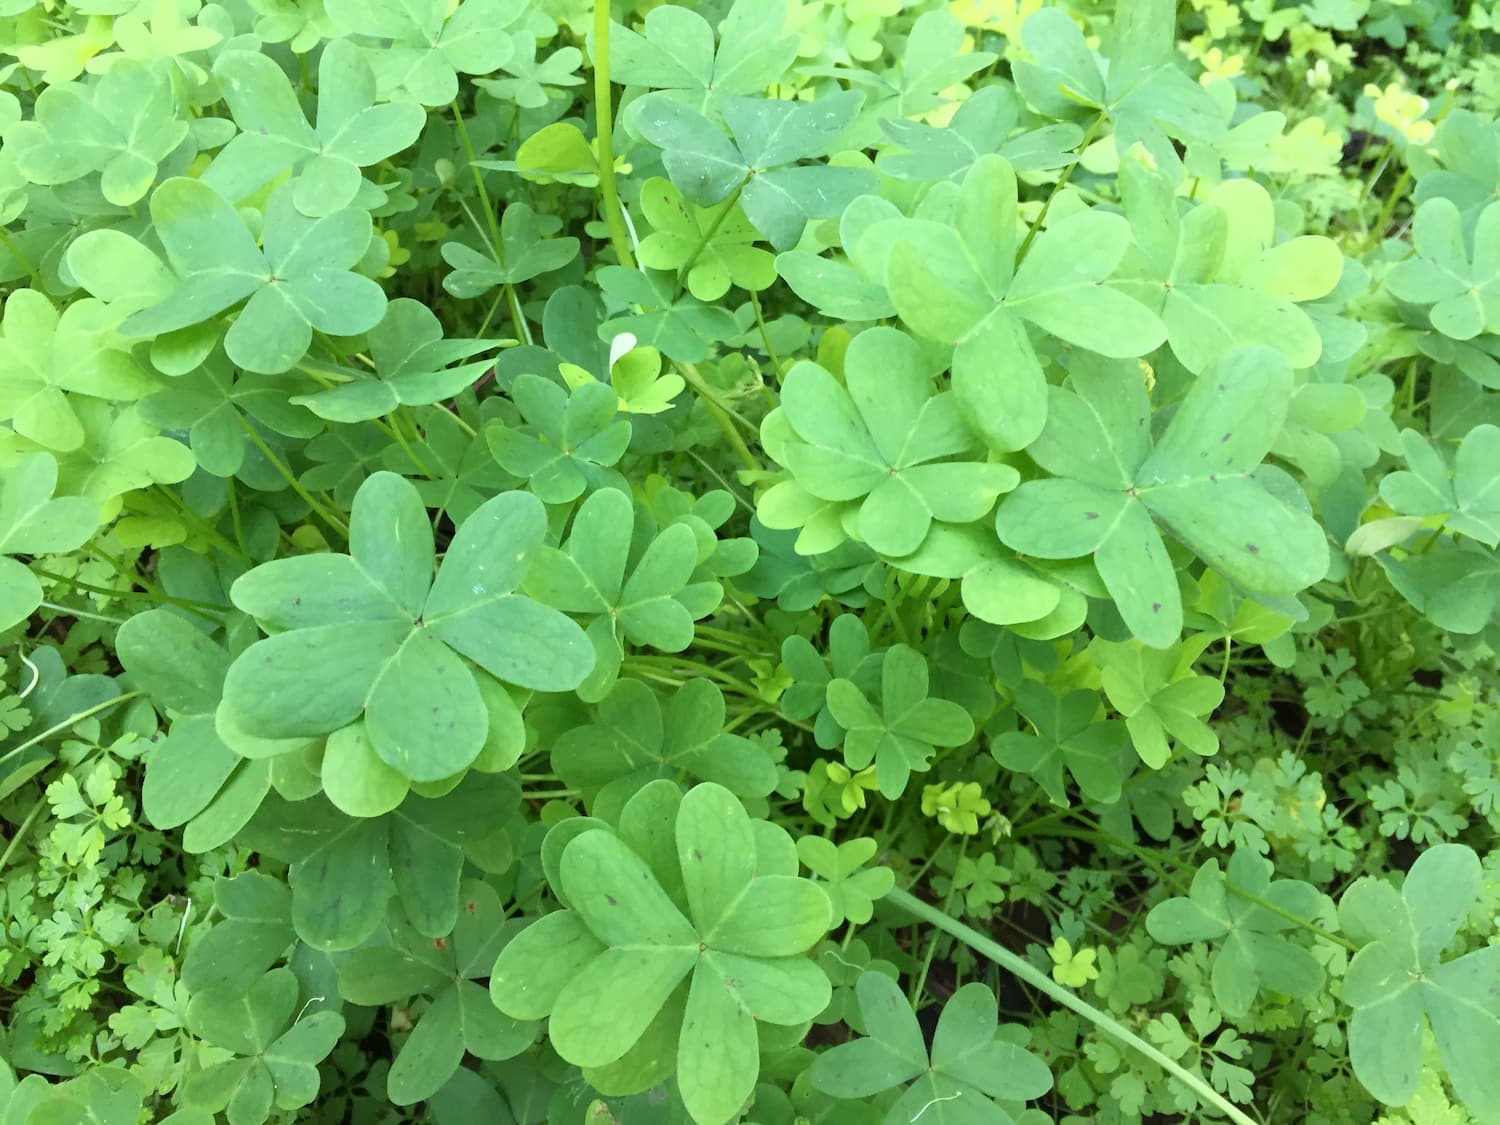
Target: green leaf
<point>960,284</point>
<point>1223,907</point>
<point>569,441</point>
<point>49,361</point>
<point>300,281</point>
<point>635,741</point>
<point>1067,734</point>
<point>716,249</point>
<point>738,934</point>
<point>280,1053</point>
<point>355,779</point>
<point>1470,499</point>
<point>1111,490</point>
<point>699,158</point>
<point>852,888</point>
<point>1159,698</point>
<point>254,932</point>
<point>173,660</point>
<point>885,439</point>
<point>902,735</point>
<point>366,637</point>
<point>524,253</point>
<point>984,124</point>
<point>1399,977</point>
<point>123,127</point>
<point>474,607</point>
<point>33,523</point>
<point>969,1063</point>
<point>351,133</point>
<point>675,51</point>
<point>185,771</point>
<point>412,361</point>
<point>431,43</point>
<point>558,152</point>
<point>778,194</point>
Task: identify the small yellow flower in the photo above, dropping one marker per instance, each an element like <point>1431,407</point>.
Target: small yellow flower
<point>957,807</point>
<point>1319,77</point>
<point>1218,67</point>
<point>1400,109</point>
<point>1222,18</point>
<point>1073,969</point>
<point>1004,16</point>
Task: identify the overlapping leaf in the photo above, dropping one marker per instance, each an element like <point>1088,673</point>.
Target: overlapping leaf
<point>984,124</point>
<point>569,442</point>
<point>300,279</point>
<point>460,1017</point>
<point>430,42</point>
<point>901,735</point>
<point>414,366</point>
<point>1214,275</point>
<point>47,358</point>
<point>1066,733</point>
<point>525,252</point>
<point>1159,697</point>
<point>970,1070</point>
<point>635,740</point>
<point>372,635</point>
<point>675,51</point>
<point>778,193</point>
<point>122,126</point>
<point>882,442</point>
<point>683,937</point>
<point>351,132</point>
<point>1456,279</point>
<point>715,249</point>
<point>346,870</point>
<point>960,283</point>
<point>32,522</point>
<point>1111,487</point>
<point>678,324</point>
<point>1253,956</point>
<point>852,886</point>
<point>1468,495</point>
<point>1142,91</point>
<point>1398,983</point>
<point>654,604</point>
<point>278,1049</point>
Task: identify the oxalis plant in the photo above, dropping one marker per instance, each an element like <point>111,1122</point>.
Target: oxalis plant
<point>766,561</point>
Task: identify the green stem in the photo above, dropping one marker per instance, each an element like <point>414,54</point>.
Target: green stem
<point>1106,1023</point>
<point>1100,835</point>
<point>712,229</point>
<point>81,614</point>
<point>765,336</point>
<point>720,414</point>
<point>609,196</point>
<point>10,247</point>
<point>497,244</point>
<point>58,728</point>
<point>21,831</point>
<point>920,983</point>
<point>291,479</point>
<point>1380,167</point>
<point>1083,145</point>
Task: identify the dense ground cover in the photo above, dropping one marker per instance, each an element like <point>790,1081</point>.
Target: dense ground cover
<point>775,561</point>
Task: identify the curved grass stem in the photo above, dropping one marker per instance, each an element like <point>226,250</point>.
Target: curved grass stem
<point>1106,1023</point>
